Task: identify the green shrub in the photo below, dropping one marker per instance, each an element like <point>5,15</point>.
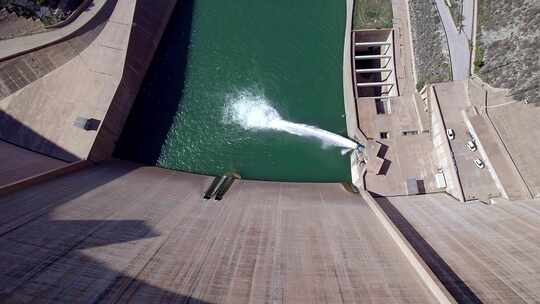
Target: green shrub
<point>420,84</point>
<point>478,58</point>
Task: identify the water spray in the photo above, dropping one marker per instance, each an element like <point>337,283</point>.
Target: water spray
<point>254,112</point>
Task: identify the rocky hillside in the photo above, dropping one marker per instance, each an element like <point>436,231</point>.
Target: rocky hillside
<point>508,46</point>
<point>48,11</point>
<point>431,54</point>
<point>12,25</point>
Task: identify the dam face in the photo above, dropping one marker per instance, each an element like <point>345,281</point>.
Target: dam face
<point>285,54</point>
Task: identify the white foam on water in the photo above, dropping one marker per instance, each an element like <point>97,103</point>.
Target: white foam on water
<point>254,112</point>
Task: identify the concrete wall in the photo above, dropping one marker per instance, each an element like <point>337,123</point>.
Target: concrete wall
<point>443,153</point>
<point>481,253</point>
<point>386,36</point>
<point>353,129</point>
<point>391,76</point>
<point>149,23</point>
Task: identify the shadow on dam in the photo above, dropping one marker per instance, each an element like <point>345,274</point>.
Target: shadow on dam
<point>160,95</point>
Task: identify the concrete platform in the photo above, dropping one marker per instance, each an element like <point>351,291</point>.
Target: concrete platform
<point>122,233</point>
<point>405,156</point>
<point>481,253</point>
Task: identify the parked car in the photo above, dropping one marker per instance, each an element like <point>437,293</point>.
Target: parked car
<point>471,145</point>
<point>479,163</point>
<point>451,134</point>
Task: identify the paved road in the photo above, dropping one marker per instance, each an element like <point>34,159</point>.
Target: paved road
<point>476,183</point>
<point>403,48</point>
<point>458,43</point>
<point>468,18</point>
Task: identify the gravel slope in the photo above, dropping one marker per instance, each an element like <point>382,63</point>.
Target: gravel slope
<point>432,59</point>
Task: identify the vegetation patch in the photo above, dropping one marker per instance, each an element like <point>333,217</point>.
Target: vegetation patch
<point>47,11</point>
<point>508,40</point>
<point>372,14</point>
<point>431,54</point>
<point>478,58</point>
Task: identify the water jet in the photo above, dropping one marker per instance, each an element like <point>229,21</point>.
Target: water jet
<point>254,112</point>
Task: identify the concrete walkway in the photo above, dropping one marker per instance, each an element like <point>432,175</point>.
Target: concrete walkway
<point>20,45</point>
<point>458,43</point>
<point>348,91</point>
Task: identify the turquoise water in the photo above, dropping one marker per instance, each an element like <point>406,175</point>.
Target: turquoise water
<point>288,54</point>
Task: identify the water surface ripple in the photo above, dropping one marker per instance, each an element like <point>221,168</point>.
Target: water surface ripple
<point>287,54</point>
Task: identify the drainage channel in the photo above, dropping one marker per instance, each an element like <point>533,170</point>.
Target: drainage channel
<point>219,187</point>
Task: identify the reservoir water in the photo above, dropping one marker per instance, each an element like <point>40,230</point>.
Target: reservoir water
<point>217,58</point>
